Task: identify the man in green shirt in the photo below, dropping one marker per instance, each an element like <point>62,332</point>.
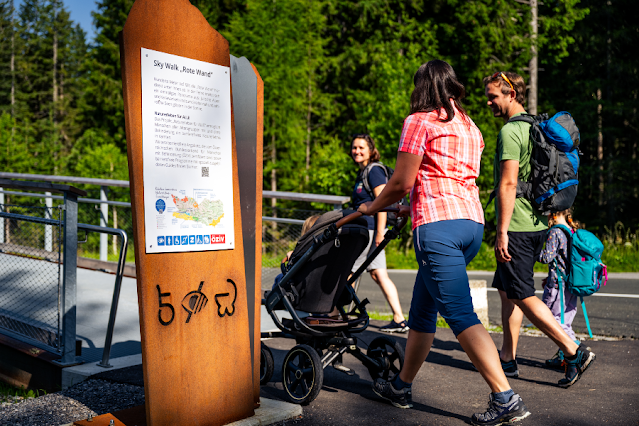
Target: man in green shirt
<point>521,232</point>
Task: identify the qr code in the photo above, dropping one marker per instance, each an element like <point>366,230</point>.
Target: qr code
<point>205,172</point>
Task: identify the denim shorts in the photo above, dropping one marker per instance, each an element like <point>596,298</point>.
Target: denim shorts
<point>443,250</point>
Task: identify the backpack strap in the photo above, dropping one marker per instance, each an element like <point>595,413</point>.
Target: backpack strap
<point>523,188</point>
<point>583,308</point>
<point>528,118</point>
<point>366,172</point>
<point>560,275</point>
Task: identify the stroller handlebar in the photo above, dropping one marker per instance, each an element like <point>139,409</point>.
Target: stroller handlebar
<point>351,217</point>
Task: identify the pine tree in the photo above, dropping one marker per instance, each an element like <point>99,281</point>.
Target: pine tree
<point>282,39</point>
<point>102,102</point>
<point>7,32</point>
<point>597,81</point>
<point>46,76</point>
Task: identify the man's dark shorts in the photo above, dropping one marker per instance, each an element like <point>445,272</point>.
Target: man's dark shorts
<point>516,277</point>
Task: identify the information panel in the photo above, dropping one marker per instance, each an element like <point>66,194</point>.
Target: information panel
<point>187,154</point>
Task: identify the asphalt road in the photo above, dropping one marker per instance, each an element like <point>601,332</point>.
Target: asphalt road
<point>447,391</point>
<point>613,311</point>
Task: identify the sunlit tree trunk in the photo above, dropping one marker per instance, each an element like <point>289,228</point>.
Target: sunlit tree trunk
<point>532,65</point>
<point>13,75</point>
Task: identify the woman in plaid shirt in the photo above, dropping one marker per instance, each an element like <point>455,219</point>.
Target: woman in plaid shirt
<point>438,161</point>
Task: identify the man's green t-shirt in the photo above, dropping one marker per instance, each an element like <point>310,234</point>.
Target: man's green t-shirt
<point>513,143</point>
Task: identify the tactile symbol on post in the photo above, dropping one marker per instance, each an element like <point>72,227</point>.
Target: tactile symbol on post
<point>222,312</point>
<point>164,305</point>
<point>194,301</point>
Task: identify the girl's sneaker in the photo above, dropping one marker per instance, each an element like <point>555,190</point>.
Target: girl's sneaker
<point>576,367</point>
<point>499,414</point>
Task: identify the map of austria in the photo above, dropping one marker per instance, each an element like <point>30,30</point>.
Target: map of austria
<point>208,212</point>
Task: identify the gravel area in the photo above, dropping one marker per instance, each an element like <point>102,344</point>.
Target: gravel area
<point>93,396</point>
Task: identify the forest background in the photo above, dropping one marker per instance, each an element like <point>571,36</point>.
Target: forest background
<point>334,68</point>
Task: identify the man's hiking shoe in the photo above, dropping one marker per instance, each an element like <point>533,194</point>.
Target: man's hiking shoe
<point>510,368</point>
<point>395,327</point>
<point>557,361</point>
<point>499,414</point>
<point>385,390</point>
<point>576,367</point>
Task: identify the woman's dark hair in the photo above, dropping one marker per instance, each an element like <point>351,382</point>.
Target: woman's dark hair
<point>371,146</point>
<point>435,85</point>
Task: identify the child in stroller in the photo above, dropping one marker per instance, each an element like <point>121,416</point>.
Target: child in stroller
<point>316,281</point>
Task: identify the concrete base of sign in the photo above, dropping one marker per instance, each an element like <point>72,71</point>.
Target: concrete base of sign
<point>78,373</point>
<point>269,412</point>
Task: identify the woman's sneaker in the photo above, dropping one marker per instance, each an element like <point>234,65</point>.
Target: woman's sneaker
<point>499,414</point>
<point>395,327</point>
<point>385,390</point>
<point>576,367</point>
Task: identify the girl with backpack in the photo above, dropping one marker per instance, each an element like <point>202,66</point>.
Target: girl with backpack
<point>364,153</point>
<point>556,255</point>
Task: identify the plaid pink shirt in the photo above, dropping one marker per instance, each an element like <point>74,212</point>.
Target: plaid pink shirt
<point>445,187</point>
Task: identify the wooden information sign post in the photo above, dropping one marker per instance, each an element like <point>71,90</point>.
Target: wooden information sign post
<point>194,318</point>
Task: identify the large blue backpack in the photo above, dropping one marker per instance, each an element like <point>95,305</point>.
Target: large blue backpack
<point>552,186</point>
<point>585,272</point>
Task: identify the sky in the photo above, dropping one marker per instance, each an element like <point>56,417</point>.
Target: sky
<point>80,14</point>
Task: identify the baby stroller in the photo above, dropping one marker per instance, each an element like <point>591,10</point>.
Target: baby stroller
<point>315,281</point>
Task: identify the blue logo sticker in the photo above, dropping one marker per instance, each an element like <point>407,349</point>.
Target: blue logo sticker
<point>184,240</point>
<point>199,239</point>
<point>169,240</point>
<point>176,240</point>
<point>191,239</point>
<point>160,206</point>
<point>160,241</point>
<point>207,239</point>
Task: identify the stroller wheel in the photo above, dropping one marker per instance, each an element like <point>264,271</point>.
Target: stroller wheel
<point>266,364</point>
<point>389,355</point>
<point>302,374</point>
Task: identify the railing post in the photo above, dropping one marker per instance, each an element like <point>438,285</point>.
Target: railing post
<point>104,222</point>
<point>68,299</point>
<point>48,229</point>
<point>2,220</point>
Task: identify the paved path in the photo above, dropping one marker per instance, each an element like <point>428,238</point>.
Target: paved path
<point>448,391</point>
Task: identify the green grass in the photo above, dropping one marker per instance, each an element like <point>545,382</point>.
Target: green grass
<point>619,256</point>
<point>374,315</point>
<point>7,390</point>
<point>111,257</point>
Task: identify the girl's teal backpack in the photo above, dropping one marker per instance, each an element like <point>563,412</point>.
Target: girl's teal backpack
<point>586,273</point>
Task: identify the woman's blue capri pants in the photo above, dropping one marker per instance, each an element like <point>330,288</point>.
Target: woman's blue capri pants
<point>443,249</point>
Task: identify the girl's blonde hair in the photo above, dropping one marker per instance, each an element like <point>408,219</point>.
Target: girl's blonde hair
<point>574,224</point>
<point>308,223</point>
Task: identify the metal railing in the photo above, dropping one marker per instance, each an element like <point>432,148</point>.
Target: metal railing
<point>280,227</point>
<point>36,304</point>
<point>31,274</point>
<point>62,292</point>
